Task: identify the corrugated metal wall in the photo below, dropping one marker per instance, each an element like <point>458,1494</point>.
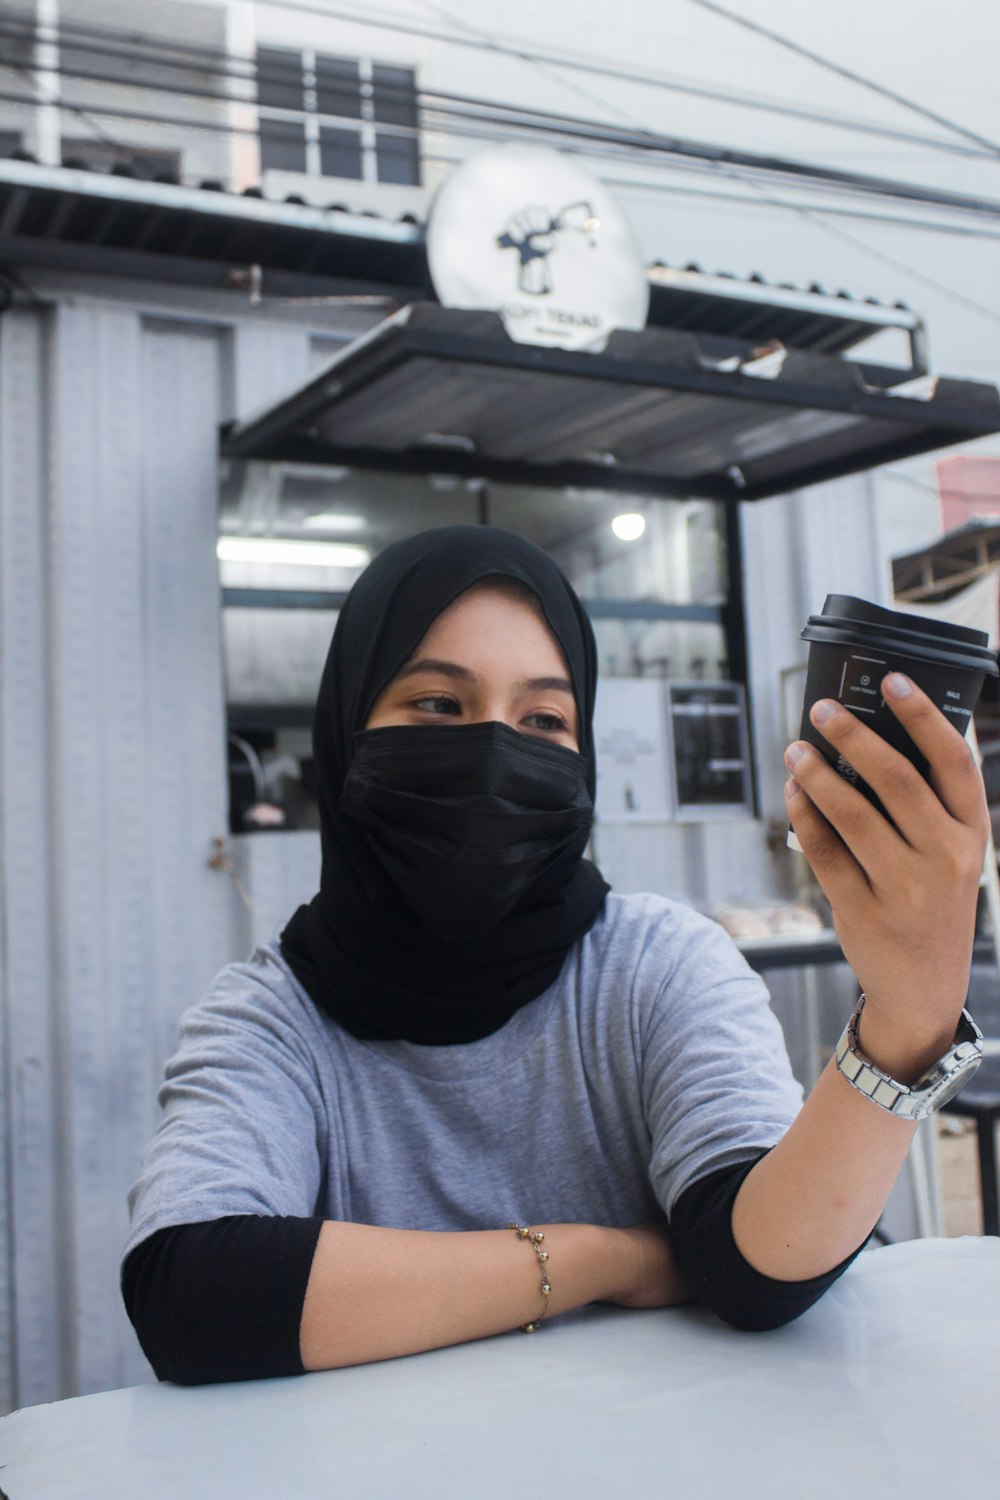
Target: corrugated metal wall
<point>112,786</point>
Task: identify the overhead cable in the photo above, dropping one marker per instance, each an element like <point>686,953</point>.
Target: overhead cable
<point>729,165</point>
<point>850,74</point>
<point>199,57</point>
<point>641,140</point>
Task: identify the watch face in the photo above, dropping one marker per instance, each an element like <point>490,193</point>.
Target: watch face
<point>956,1080</point>
<point>952,1086</point>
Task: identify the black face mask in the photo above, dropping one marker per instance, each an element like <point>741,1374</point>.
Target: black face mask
<point>469,821</point>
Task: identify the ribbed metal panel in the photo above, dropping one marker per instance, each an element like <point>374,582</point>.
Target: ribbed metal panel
<point>797,549</point>
<point>181,374</point>
<point>113,789</point>
<point>33,1357</point>
<point>435,389</point>
<point>277,874</point>
<point>82,888</point>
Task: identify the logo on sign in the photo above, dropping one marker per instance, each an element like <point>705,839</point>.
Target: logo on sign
<point>534,233</point>
<point>537,238</point>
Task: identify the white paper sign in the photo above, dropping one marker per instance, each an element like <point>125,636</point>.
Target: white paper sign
<point>630,734</point>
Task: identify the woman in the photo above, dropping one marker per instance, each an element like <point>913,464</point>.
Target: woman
<point>465,1030</point>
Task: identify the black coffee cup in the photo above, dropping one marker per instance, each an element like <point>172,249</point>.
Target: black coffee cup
<point>853,644</point>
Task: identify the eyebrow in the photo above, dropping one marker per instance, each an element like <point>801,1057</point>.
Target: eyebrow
<point>463,674</point>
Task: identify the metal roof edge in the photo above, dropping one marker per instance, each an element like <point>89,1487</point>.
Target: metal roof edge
<point>222,205</point>
<point>980,527</point>
<point>291,427</point>
<point>768,294</point>
<point>324,378</point>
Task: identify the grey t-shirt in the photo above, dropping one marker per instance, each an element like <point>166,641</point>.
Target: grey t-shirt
<point>653,1060</point>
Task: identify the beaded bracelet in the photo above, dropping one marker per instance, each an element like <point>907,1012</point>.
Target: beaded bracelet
<point>534,1239</point>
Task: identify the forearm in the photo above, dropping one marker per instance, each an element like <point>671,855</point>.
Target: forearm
<point>378,1293</point>
<point>813,1199</point>
<point>902,881</point>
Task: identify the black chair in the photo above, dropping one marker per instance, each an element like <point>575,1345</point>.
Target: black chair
<point>980,1101</point>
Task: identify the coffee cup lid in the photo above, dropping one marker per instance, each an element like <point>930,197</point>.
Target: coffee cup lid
<point>848,621</point>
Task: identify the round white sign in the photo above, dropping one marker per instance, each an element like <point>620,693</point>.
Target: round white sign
<point>532,234</point>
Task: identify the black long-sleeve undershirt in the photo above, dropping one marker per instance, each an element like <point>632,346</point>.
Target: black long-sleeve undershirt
<point>222,1300</point>
<point>718,1274</point>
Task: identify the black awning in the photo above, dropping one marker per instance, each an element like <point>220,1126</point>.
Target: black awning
<point>439,390</point>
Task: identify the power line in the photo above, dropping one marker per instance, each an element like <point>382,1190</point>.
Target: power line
<point>728,166</point>
<point>640,140</point>
<point>190,58</point>
<point>604,70</point>
<point>734,200</point>
<point>816,219</point>
<point>781,40</point>
<point>737,200</point>
<point>592,127</point>
<point>542,67</point>
<point>941,287</point>
<point>76,109</point>
<point>644,140</point>
<point>631,184</point>
<point>623,183</point>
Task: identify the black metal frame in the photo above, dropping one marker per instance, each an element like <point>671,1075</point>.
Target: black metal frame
<point>597,609</point>
<point>287,430</point>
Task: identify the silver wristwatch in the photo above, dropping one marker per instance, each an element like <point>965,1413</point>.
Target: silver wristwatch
<point>934,1088</point>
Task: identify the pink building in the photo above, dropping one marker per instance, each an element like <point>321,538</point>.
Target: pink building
<point>969,487</point>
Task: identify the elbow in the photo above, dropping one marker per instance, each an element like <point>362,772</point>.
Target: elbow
<point>758,1317</point>
<point>222,1300</point>
<point>180,1344</point>
<point>179,1356</point>
<point>752,1303</point>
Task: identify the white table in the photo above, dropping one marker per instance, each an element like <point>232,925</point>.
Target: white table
<point>889,1387</point>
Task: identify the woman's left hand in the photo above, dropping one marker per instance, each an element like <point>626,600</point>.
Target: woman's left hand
<point>904,897</point>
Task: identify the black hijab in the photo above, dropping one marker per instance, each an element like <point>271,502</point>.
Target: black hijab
<point>359,951</point>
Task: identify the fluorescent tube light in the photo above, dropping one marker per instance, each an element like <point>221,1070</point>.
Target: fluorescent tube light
<point>332,520</point>
<point>254,549</point>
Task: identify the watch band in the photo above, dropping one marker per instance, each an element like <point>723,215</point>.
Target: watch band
<point>910,1101</point>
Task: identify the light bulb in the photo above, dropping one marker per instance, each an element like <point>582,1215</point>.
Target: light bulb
<point>629,527</point>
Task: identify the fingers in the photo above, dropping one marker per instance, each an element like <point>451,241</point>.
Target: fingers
<point>903,792</point>
<point>955,775</point>
<point>841,834</point>
<point>919,812</point>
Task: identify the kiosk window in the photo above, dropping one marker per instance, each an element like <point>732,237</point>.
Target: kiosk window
<point>708,733</point>
<point>293,538</point>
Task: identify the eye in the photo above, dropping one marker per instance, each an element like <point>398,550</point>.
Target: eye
<point>544,723</point>
<point>436,703</point>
